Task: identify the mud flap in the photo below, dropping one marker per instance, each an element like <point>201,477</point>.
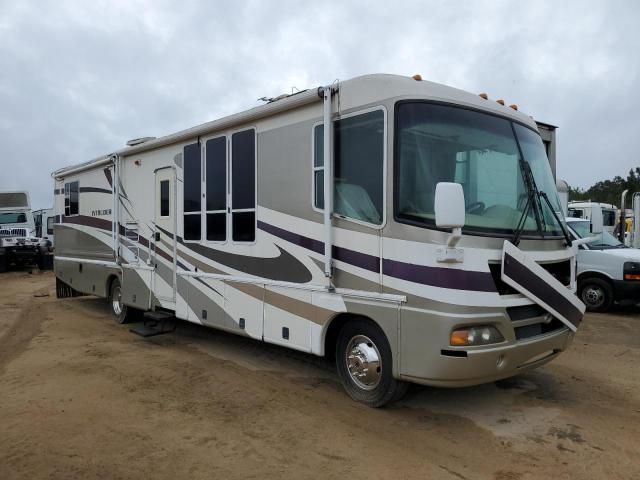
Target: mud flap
<point>534,282</point>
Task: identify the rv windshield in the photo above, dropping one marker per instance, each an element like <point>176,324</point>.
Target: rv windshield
<point>12,217</point>
<point>440,143</point>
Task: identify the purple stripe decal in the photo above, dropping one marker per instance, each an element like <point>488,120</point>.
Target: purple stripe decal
<point>362,260</point>
<point>439,276</point>
<point>434,276</point>
<point>305,242</point>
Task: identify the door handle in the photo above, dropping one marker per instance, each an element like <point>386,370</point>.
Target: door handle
<point>157,236</point>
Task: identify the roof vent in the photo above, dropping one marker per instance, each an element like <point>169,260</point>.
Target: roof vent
<point>138,141</point>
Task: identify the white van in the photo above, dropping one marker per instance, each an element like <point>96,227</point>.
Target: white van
<point>608,270</point>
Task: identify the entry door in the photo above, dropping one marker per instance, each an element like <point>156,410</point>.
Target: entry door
<point>164,250</point>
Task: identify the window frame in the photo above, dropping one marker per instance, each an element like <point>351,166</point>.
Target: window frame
<point>230,209</point>
<point>204,210</point>
<point>67,198</point>
<point>385,135</point>
<point>168,183</point>
<point>199,212</point>
<point>50,220</point>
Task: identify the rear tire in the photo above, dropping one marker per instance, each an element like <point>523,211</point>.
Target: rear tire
<point>364,363</point>
<point>119,310</point>
<point>596,294</point>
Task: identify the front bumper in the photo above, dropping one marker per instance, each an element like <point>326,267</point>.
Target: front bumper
<point>485,364</point>
<point>626,290</point>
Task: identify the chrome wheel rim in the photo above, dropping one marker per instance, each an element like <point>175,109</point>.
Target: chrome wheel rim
<point>593,296</point>
<point>364,362</point>
<point>116,301</point>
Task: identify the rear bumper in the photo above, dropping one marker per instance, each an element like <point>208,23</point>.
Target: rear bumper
<point>627,290</point>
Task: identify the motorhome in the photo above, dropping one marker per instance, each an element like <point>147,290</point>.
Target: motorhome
<point>19,243</point>
<point>610,214</point>
<point>44,220</point>
<point>405,228</point>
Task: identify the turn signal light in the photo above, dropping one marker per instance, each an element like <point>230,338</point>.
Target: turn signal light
<point>480,335</point>
<point>632,276</point>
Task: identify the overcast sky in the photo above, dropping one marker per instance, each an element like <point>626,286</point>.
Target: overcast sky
<point>78,79</point>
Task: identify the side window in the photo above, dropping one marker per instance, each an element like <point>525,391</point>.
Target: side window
<point>216,190</point>
<point>358,167</point>
<point>192,197</point>
<point>164,198</point>
<point>243,186</point>
<point>71,198</point>
<point>49,225</point>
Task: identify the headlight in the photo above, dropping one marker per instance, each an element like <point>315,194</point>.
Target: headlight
<point>470,336</point>
<point>631,271</point>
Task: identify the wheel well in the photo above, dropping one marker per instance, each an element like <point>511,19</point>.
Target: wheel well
<point>586,275</point>
<point>110,280</point>
<point>331,337</point>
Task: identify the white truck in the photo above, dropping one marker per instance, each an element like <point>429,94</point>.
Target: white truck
<point>19,245</point>
<point>583,210</point>
<point>608,270</point>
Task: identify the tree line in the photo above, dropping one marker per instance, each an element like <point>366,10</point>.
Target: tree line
<point>609,191</point>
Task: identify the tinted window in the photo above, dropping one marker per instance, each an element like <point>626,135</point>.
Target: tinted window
<point>216,173</point>
<point>50,226</point>
<point>358,167</point>
<point>164,198</point>
<point>192,178</point>
<point>243,170</point>
<point>244,226</point>
<point>71,198</point>
<point>192,227</point>
<point>217,227</point>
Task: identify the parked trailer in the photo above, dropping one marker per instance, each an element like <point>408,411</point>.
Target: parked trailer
<point>44,220</point>
<point>439,259</point>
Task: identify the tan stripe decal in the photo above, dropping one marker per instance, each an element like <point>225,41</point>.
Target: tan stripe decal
<point>294,306</point>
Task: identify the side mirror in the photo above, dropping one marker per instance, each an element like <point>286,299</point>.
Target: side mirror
<point>450,213</point>
<point>449,205</point>
<point>596,220</point>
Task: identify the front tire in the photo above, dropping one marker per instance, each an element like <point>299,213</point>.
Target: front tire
<point>364,363</point>
<point>119,311</point>
<point>596,294</point>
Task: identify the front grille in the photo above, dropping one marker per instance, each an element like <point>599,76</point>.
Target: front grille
<point>5,232</point>
<point>19,232</point>
<point>536,329</point>
<point>561,271</point>
<point>532,320</point>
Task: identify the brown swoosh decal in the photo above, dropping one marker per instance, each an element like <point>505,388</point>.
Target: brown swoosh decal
<point>285,267</point>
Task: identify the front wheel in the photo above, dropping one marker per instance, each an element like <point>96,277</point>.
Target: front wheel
<point>364,363</point>
<point>119,310</point>
<point>596,294</point>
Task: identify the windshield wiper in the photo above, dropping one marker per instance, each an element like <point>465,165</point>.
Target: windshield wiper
<point>534,199</point>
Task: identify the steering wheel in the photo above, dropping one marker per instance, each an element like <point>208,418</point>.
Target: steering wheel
<point>475,206</point>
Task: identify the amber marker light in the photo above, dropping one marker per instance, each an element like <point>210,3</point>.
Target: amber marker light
<point>632,276</point>
<point>501,102</point>
<point>459,338</point>
<point>484,95</point>
<point>514,106</point>
<point>417,77</point>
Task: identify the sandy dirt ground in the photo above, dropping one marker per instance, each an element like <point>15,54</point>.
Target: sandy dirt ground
<point>83,398</point>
